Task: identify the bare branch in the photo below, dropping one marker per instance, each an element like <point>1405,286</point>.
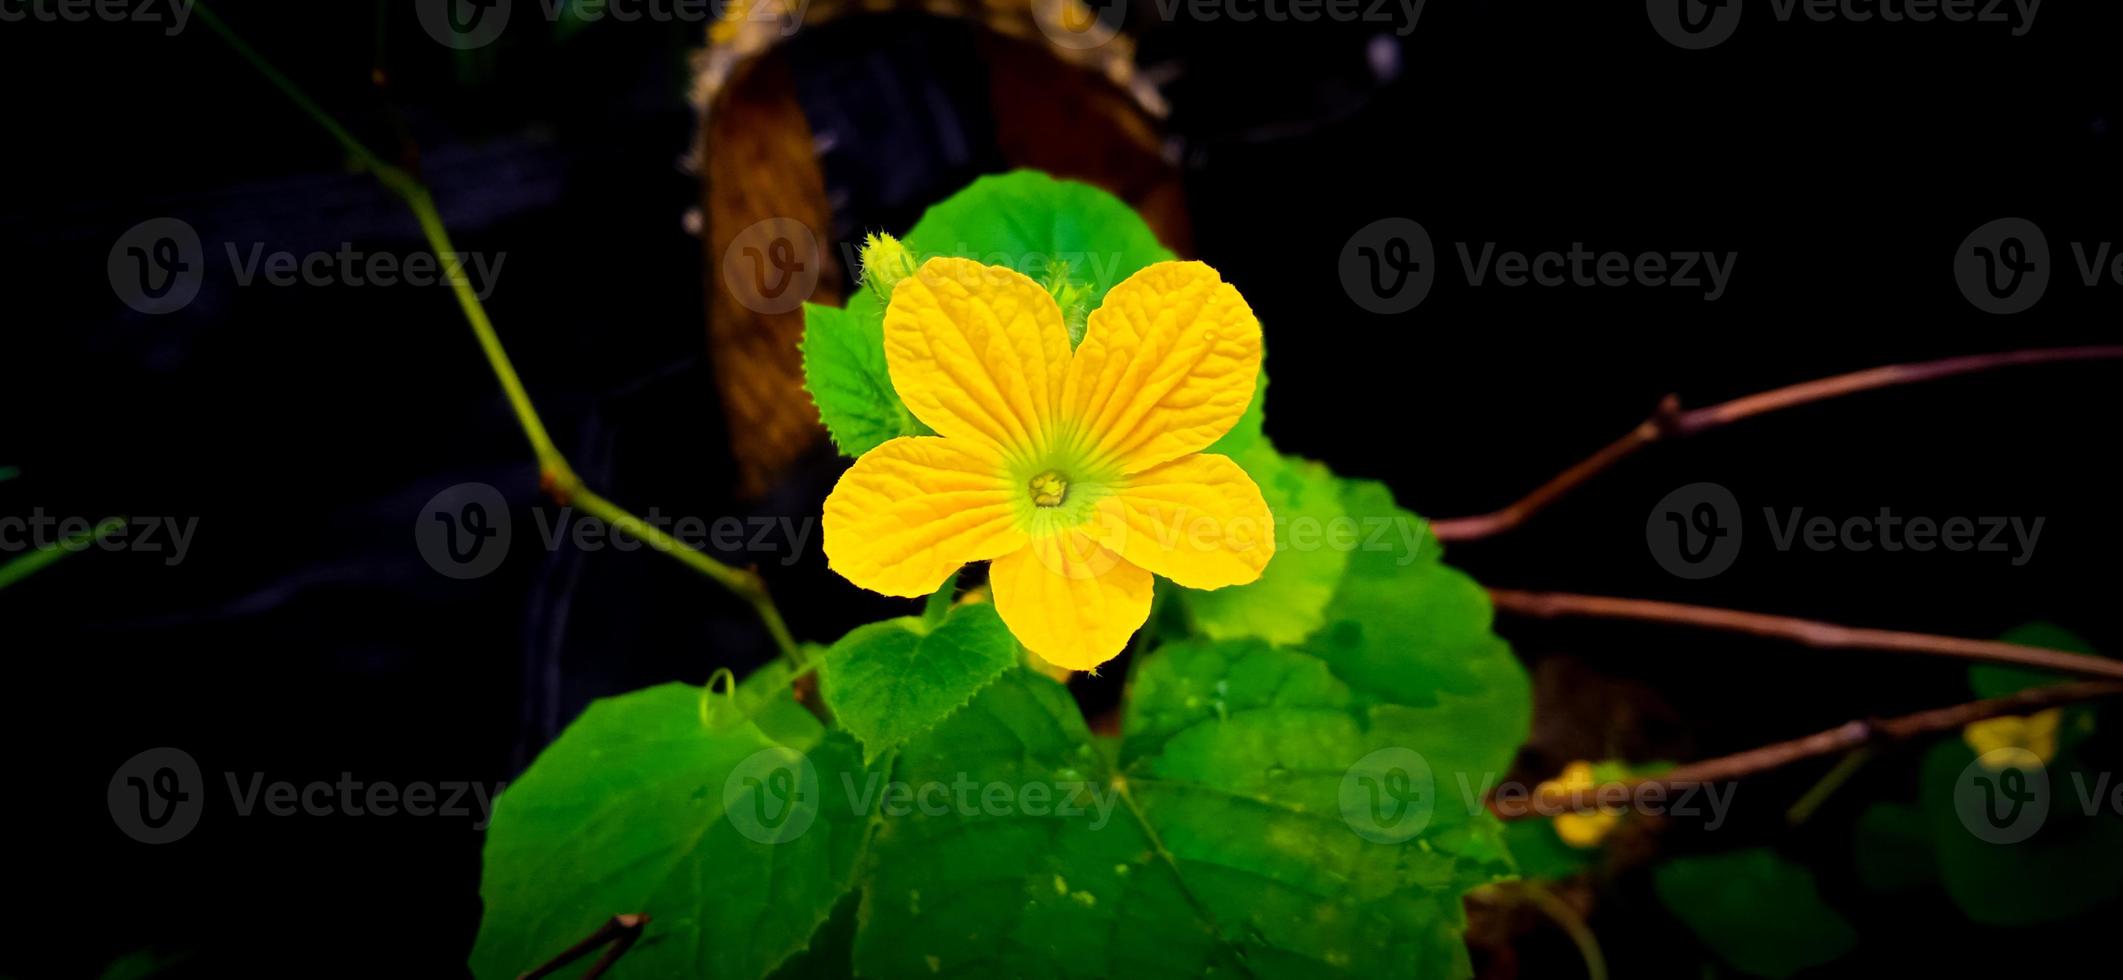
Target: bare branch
<point>1552,605</point>
<point>1671,422</point>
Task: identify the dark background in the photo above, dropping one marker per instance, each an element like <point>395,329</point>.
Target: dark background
<point>304,636</point>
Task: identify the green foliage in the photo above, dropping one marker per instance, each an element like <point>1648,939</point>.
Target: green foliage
<point>2057,872</point>
<point>1759,911</point>
<point>1048,229</point>
<point>652,802</point>
<point>2065,869</point>
<point>1295,789</point>
<point>891,681</point>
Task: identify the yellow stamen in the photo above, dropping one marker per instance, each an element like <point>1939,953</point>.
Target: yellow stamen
<point>1049,489</point>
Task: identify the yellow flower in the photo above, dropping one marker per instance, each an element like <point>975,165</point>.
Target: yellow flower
<point>2034,735</point>
<point>1077,475</point>
<point>1580,829</point>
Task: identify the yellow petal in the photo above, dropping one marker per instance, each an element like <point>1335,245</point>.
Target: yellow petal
<point>1166,367</point>
<point>1198,520</point>
<point>978,352</point>
<point>1070,599</point>
<point>911,511</point>
<point>1992,734</point>
<point>1583,830</point>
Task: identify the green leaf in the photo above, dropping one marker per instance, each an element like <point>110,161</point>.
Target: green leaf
<point>1028,221</point>
<point>888,682</point>
<point>1289,601</point>
<point>1892,847</point>
<point>1997,681</point>
<point>1539,853</point>
<point>844,369</point>
<point>2063,870</point>
<point>667,801</point>
<point>1058,879</point>
<point>1250,763</point>
<point>1406,629</point>
<point>1759,911</point>
<point>1224,852</point>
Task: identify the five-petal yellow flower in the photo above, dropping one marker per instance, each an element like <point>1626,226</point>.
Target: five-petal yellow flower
<point>1077,475</point>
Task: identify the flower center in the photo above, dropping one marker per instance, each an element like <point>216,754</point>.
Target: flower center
<point>1049,489</point>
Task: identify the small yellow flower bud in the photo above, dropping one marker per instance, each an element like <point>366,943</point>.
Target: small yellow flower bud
<point>884,263</point>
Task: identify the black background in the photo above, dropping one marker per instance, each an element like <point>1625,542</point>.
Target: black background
<point>304,636</point>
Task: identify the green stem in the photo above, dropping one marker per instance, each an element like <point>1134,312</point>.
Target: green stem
<point>558,477</point>
<point>1573,924</point>
<point>939,604</point>
<point>30,564</point>
<point>1847,767</point>
<point>9,472</point>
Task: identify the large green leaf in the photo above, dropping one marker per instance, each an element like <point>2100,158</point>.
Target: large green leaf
<point>1759,911</point>
<point>1221,848</point>
<point>1057,879</point>
<point>1313,539</point>
<point>679,803</point>
<point>1029,221</point>
<point>1261,773</point>
<point>888,682</point>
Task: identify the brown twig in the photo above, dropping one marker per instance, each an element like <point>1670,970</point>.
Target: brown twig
<point>1550,605</point>
<point>1842,738</point>
<point>620,932</point>
<point>1671,422</point>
